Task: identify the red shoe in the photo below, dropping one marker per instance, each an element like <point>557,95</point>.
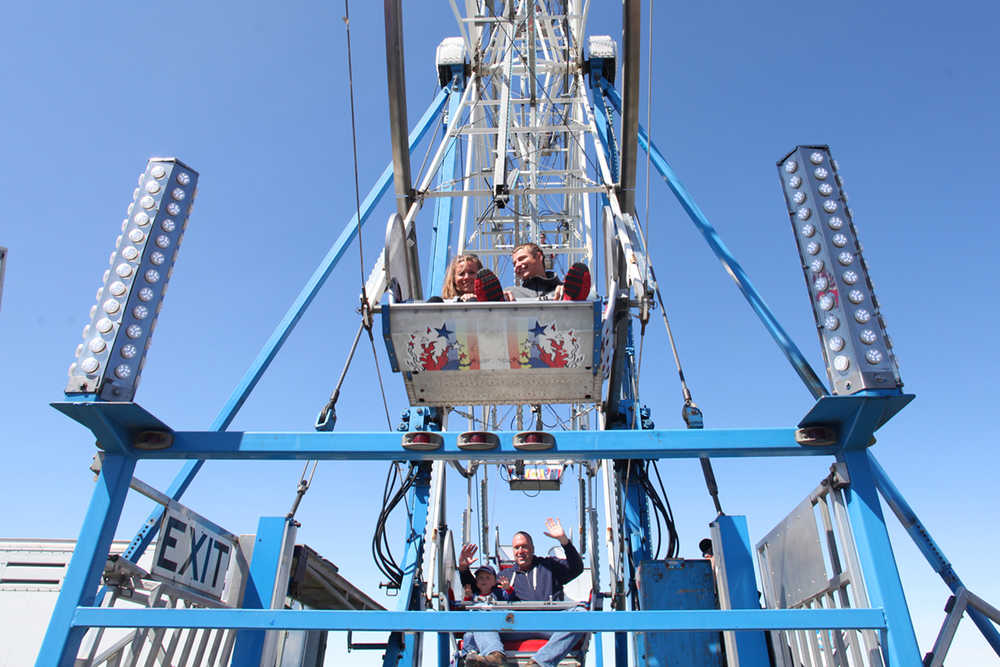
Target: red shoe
<point>488,287</point>
<point>576,285</point>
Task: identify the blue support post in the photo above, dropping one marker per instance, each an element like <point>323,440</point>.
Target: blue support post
<point>928,547</point>
<point>443,206</point>
<point>741,584</point>
<point>264,568</point>
<point>878,564</point>
<point>408,654</point>
<point>604,127</point>
<point>733,268</point>
<point>62,639</point>
<point>246,385</point>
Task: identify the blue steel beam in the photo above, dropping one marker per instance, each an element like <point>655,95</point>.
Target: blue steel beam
<point>266,355</point>
<point>928,547</point>
<point>265,565</point>
<point>63,637</point>
<point>579,445</point>
<point>505,621</point>
<point>443,206</point>
<point>396,652</point>
<point>733,268</point>
<point>878,564</point>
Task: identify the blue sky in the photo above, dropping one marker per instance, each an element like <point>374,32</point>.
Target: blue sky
<point>255,98</point>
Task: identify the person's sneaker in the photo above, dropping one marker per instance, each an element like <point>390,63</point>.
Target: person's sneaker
<point>576,285</point>
<point>488,287</point>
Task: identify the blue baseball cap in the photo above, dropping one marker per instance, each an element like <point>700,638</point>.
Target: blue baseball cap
<point>486,568</point>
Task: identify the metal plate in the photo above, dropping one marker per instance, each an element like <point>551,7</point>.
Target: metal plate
<point>487,353</point>
<point>793,558</point>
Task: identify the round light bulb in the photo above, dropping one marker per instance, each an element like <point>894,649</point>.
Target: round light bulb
<point>183,178</point>
<point>104,325</point>
<point>825,189</point>
<point>873,356</point>
<point>829,206</point>
<point>152,187</point>
<point>804,213</point>
<point>158,171</point>
<point>178,194</point>
<point>839,240</point>
<point>97,345</point>
<point>855,296</point>
<point>173,208</point>
<point>868,337</point>
<point>835,223</point>
<point>136,236</point>
<point>140,312</point>
<point>168,225</point>
<point>93,311</point>
<point>162,241</point>
<point>816,265</point>
<point>841,363</point>
<point>845,258</point>
<point>147,202</point>
<point>807,230</point>
<point>799,197</point>
<point>821,283</point>
<point>812,247</point>
<point>146,294</point>
<point>133,331</point>
<point>123,270</point>
<point>111,306</point>
<point>141,218</point>
<point>117,288</point>
<point>157,258</point>
<point>850,277</point>
<point>831,322</point>
<point>826,302</point>
<point>816,158</point>
<point>128,351</point>
<point>123,371</point>
<point>836,344</point>
<point>152,276</point>
<point>791,166</point>
<point>89,365</point>
<point>130,253</point>
<point>861,316</point>
<point>820,173</point>
<point>794,181</point>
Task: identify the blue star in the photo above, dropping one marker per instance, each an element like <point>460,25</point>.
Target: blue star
<point>538,329</point>
<point>443,331</point>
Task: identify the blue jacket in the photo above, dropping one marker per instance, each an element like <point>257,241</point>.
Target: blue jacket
<point>545,578</point>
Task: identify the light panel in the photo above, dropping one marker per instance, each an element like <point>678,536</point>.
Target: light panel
<point>109,361</point>
<point>856,348</point>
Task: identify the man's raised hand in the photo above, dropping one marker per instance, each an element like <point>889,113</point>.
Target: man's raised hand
<point>555,530</point>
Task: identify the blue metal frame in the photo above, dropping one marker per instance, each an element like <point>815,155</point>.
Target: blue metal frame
<point>733,268</point>
<point>928,547</point>
<point>505,621</point>
<point>741,581</point>
<point>410,596</point>
<point>264,567</point>
<point>878,563</point>
<point>63,637</point>
<point>246,385</point>
<point>443,206</point>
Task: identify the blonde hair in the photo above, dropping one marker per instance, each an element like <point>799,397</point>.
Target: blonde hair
<point>450,289</point>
